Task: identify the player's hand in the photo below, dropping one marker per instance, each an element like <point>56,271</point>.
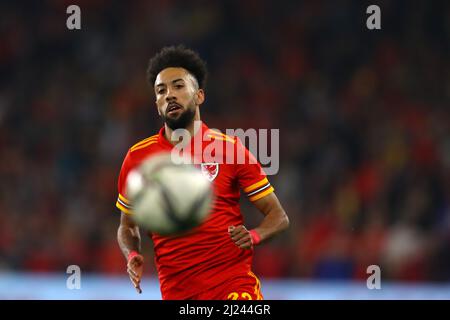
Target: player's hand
<point>240,236</point>
<point>135,268</point>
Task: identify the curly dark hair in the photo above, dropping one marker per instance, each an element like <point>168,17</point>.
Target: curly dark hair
<point>177,56</point>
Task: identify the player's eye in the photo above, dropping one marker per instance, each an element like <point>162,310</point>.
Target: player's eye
<point>160,91</point>
<point>179,86</point>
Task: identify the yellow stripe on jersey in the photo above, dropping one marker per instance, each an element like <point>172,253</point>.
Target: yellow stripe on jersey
<point>125,200</point>
<point>261,194</point>
<point>144,141</point>
<point>122,208</point>
<point>256,185</point>
<point>144,145</point>
<point>220,136</point>
<point>137,145</point>
<point>216,132</point>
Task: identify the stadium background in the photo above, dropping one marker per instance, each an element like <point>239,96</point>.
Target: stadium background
<point>364,119</point>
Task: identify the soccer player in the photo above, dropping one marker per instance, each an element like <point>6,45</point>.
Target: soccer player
<point>212,261</point>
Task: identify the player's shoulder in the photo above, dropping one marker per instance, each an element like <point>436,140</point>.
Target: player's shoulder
<point>217,135</point>
<point>233,140</point>
<point>144,145</point>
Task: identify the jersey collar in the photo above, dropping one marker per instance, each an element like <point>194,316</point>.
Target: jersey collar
<point>198,135</point>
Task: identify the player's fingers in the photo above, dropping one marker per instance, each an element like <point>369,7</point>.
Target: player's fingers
<point>238,237</point>
<point>136,285</point>
<point>246,245</point>
<point>134,276</point>
<point>134,281</point>
<point>242,233</point>
<point>235,230</point>
<point>131,271</point>
<point>232,230</point>
<point>243,240</point>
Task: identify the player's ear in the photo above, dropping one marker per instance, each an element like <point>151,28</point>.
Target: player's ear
<point>199,97</point>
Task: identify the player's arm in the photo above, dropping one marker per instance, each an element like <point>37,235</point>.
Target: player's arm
<point>275,220</point>
<point>129,240</point>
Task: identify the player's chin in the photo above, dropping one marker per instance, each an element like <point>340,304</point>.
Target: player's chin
<point>174,116</point>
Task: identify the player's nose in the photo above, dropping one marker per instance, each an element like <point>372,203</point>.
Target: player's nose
<point>170,97</point>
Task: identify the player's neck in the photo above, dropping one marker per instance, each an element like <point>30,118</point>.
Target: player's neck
<point>190,128</point>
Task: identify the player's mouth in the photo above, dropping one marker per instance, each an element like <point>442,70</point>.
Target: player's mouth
<point>173,108</point>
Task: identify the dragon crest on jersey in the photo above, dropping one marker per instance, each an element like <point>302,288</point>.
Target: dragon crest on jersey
<point>210,170</point>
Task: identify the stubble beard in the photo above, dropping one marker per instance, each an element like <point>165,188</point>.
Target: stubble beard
<point>182,121</point>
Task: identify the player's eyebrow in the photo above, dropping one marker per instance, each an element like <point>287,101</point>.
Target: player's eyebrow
<point>162,84</point>
<point>176,80</point>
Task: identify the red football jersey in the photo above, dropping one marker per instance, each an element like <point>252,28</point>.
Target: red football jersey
<point>206,256</point>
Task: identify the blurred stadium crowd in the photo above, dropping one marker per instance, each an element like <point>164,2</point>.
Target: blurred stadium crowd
<point>364,119</point>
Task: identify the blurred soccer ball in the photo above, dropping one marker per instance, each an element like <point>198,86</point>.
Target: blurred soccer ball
<point>168,198</point>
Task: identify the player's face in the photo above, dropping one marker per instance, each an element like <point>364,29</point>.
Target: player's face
<point>177,97</point>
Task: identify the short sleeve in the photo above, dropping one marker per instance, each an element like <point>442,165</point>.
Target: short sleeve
<point>122,202</point>
<point>251,177</point>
